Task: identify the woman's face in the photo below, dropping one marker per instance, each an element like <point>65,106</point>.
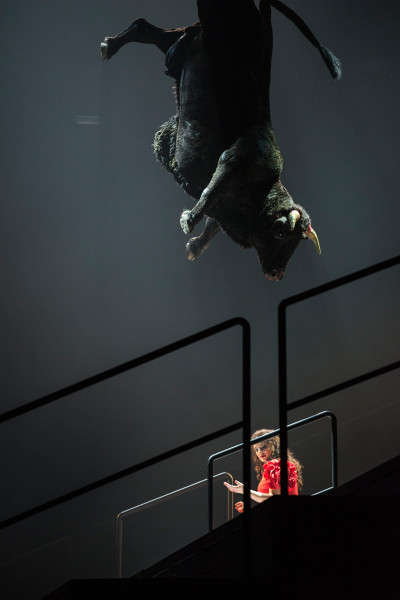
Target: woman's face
<point>263,451</point>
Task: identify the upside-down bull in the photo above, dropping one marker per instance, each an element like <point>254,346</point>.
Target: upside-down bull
<point>220,145</point>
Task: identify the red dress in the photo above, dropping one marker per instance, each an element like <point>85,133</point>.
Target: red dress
<point>271,479</point>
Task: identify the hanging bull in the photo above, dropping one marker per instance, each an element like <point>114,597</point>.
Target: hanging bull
<point>220,146</point>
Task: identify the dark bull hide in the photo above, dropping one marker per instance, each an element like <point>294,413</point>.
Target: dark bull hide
<point>220,146</point>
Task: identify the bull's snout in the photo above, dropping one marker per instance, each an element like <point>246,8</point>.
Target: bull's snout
<point>275,274</point>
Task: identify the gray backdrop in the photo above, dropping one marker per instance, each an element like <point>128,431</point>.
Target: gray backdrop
<point>94,271</point>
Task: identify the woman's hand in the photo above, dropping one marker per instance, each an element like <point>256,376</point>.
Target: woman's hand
<point>236,489</point>
<point>239,506</point>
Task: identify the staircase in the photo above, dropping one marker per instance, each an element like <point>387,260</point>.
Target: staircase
<point>342,544</point>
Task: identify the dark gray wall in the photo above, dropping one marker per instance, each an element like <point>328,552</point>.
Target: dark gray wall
<point>94,271</point>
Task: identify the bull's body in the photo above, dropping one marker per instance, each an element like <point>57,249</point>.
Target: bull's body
<point>220,146</point>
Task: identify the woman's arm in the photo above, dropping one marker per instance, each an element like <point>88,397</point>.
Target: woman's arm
<point>256,496</point>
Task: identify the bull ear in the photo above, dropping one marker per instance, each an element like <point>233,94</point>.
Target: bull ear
<point>293,217</point>
<point>310,233</point>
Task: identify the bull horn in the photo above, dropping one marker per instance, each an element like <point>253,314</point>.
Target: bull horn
<point>293,217</point>
<point>310,233</point>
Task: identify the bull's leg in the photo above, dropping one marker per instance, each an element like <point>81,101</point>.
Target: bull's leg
<point>197,245</point>
<point>252,161</point>
<point>143,32</point>
<point>226,180</point>
<point>190,218</point>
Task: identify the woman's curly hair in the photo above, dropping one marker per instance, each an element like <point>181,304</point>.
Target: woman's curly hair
<point>274,445</point>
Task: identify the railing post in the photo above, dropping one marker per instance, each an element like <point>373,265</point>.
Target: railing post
<point>247,561</point>
<point>334,451</point>
<point>283,395</point>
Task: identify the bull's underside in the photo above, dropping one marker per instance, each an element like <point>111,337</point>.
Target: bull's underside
<point>220,146</point>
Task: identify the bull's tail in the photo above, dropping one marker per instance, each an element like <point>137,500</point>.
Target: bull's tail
<point>331,61</point>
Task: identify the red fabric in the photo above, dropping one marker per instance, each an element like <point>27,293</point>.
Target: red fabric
<point>271,479</point>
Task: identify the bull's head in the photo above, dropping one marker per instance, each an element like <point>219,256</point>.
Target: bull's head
<point>280,227</point>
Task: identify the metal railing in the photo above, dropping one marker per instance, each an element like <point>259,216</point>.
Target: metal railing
<point>151,503</point>
<point>282,358</point>
<point>238,447</point>
<point>244,424</point>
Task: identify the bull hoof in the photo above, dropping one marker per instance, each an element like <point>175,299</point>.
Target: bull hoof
<point>108,48</point>
<point>189,252</point>
<point>187,223</point>
<point>193,250</point>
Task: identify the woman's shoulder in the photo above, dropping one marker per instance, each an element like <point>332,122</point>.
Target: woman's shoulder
<point>272,473</point>
<point>270,465</point>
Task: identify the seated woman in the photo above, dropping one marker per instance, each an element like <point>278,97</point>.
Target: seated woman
<point>267,464</point>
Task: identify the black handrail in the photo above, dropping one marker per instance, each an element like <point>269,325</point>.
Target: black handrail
<point>282,358</point>
<point>233,449</point>
<point>116,476</point>
<point>345,384</point>
<point>118,370</point>
<point>244,423</point>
